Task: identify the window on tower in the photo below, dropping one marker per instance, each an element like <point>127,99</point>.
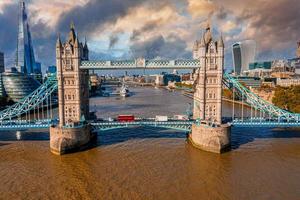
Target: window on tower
<point>68,64</point>
<point>212,63</point>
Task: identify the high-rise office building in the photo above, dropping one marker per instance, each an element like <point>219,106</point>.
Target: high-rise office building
<point>298,50</point>
<point>295,62</point>
<point>25,60</point>
<point>38,68</point>
<point>243,54</point>
<point>51,70</point>
<point>2,62</point>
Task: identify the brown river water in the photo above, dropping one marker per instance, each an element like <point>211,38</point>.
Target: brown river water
<point>147,163</point>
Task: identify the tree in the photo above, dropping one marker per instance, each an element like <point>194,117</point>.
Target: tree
<point>287,98</point>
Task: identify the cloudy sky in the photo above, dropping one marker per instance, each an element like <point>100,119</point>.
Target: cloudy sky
<point>154,28</point>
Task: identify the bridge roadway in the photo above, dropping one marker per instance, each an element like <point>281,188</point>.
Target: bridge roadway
<point>185,126</point>
<point>15,125</point>
<point>264,123</point>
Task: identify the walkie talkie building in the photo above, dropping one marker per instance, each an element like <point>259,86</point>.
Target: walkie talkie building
<point>25,60</point>
<point>243,54</point>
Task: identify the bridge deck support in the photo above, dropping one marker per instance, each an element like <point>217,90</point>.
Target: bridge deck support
<point>211,139</point>
<point>66,140</point>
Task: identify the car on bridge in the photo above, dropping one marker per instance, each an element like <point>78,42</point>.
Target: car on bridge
<point>181,117</point>
<point>161,118</point>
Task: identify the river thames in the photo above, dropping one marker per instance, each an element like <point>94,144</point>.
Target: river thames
<point>148,163</point>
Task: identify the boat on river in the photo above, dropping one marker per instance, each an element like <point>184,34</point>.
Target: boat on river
<point>124,91</point>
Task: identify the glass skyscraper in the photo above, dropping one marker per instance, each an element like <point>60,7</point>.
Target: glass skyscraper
<point>243,54</point>
<point>1,62</point>
<point>25,60</point>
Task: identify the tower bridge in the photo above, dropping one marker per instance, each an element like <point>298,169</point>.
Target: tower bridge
<point>72,129</point>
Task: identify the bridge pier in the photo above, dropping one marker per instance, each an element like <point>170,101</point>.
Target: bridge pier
<point>71,139</point>
<point>211,139</point>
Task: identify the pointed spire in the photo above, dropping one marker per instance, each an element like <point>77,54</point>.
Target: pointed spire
<point>72,35</point>
<point>196,45</point>
<point>76,44</point>
<point>72,25</point>
<point>85,43</point>
<point>221,41</point>
<point>207,25</point>
<point>208,34</point>
<point>22,4</point>
<point>202,41</point>
<point>58,42</point>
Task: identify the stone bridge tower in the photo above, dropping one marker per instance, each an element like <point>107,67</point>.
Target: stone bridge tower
<point>72,133</point>
<point>208,84</point>
<point>208,96</point>
<point>73,85</point>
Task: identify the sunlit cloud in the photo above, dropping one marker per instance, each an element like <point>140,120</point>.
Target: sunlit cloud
<point>201,8</point>
<point>4,3</point>
<point>49,12</point>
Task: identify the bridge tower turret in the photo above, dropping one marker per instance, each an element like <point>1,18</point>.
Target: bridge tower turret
<point>73,96</point>
<point>208,96</point>
<point>208,85</point>
<point>72,81</point>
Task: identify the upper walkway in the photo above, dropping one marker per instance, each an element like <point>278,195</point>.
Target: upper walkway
<point>140,64</point>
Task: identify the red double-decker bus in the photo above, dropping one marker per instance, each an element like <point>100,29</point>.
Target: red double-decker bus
<point>126,118</point>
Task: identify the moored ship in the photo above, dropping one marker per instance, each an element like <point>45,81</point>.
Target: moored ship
<point>124,92</point>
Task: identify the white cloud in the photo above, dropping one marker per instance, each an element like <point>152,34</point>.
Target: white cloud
<point>201,8</point>
<point>4,3</point>
<point>50,12</point>
<point>228,26</point>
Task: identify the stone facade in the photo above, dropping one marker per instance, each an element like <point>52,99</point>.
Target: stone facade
<point>210,136</point>
<point>212,139</point>
<point>67,140</point>
<point>73,83</point>
<point>288,82</point>
<point>208,84</point>
<point>72,133</point>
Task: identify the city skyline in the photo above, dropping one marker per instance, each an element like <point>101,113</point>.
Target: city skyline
<point>136,28</point>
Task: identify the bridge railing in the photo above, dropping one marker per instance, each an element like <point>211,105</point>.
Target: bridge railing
<point>260,104</point>
<point>32,101</point>
<point>140,64</point>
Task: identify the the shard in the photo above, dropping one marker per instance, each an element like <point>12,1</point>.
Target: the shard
<point>25,60</point>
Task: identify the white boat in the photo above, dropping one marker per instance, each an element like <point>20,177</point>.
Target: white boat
<point>124,92</point>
